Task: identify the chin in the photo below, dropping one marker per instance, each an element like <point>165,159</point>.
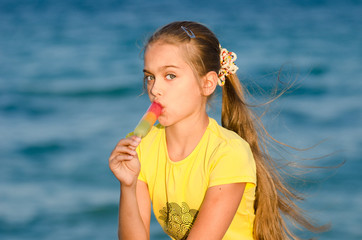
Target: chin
<point>162,121</point>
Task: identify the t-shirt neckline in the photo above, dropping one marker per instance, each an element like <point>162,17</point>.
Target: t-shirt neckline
<point>190,156</point>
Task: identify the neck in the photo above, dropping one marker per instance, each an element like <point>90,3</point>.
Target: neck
<point>183,137</point>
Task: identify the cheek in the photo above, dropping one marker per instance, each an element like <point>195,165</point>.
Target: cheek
<point>148,88</point>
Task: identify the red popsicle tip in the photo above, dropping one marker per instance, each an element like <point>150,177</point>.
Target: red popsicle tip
<point>156,108</point>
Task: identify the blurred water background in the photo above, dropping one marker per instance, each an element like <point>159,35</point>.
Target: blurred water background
<point>70,79</point>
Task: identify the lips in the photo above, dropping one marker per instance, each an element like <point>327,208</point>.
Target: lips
<point>162,110</point>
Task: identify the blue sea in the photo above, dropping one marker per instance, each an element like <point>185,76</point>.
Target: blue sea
<point>71,87</point>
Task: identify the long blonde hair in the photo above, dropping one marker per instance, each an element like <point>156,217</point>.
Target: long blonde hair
<point>274,198</point>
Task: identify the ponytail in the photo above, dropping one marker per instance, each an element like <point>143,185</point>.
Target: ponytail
<point>273,196</point>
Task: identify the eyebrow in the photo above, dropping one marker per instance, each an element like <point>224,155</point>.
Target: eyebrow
<point>162,68</point>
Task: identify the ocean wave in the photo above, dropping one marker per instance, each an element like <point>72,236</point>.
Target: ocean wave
<point>109,92</point>
<point>37,102</point>
<point>44,148</point>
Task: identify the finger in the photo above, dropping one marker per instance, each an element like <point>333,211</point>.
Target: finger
<point>132,142</point>
<point>135,141</point>
<point>123,143</point>
<point>120,158</point>
<point>126,150</point>
<point>123,150</point>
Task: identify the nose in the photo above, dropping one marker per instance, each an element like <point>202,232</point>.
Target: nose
<point>155,89</point>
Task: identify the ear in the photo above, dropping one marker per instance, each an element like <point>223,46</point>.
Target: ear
<point>209,83</point>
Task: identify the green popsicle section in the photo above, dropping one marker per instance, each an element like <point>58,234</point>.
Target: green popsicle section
<point>148,120</point>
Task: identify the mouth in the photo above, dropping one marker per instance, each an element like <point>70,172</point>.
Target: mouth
<point>155,101</point>
<point>160,106</point>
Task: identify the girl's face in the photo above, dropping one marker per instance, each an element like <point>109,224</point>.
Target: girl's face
<point>171,82</point>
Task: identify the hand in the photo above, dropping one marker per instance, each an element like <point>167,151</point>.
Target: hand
<point>124,162</point>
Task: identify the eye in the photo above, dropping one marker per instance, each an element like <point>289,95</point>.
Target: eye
<point>170,76</point>
<point>149,78</point>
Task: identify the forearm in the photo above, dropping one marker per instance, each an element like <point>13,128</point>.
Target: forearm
<point>217,211</point>
<point>130,224</point>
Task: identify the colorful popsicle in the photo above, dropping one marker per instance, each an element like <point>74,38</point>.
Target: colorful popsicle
<point>147,121</point>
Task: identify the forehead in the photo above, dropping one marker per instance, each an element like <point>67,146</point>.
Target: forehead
<point>164,54</point>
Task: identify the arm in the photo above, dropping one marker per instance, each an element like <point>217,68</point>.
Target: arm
<point>134,212</point>
<point>217,211</point>
<point>134,204</point>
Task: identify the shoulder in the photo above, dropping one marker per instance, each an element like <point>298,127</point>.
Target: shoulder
<point>232,159</point>
<point>226,138</point>
<point>229,147</point>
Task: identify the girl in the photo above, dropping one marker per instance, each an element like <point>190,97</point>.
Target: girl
<point>205,181</point>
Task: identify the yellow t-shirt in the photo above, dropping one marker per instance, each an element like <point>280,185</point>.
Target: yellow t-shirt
<point>177,189</point>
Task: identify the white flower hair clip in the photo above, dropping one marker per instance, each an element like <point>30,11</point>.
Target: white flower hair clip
<point>228,66</point>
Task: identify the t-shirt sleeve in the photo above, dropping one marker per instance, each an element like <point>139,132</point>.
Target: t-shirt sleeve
<point>232,162</point>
